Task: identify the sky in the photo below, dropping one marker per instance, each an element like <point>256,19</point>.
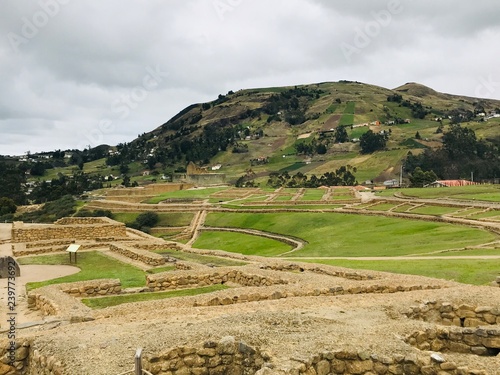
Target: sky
<point>79,73</point>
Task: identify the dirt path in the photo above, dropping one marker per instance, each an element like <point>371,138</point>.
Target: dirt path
<point>484,257</point>
<point>29,273</point>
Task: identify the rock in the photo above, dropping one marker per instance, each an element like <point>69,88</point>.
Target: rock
<point>437,358</point>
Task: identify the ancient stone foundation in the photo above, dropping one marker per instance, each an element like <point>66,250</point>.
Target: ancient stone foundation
<point>143,256</point>
<point>450,314</point>
<point>480,342</point>
<point>182,280</point>
<point>69,228</point>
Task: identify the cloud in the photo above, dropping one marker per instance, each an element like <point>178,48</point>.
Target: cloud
<point>81,61</point>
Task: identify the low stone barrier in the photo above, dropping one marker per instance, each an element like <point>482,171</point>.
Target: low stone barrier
<point>450,314</point>
<point>293,267</point>
<point>22,232</point>
<point>480,342</point>
<point>14,357</point>
<point>345,362</point>
<point>143,256</point>
<point>41,364</point>
<point>92,288</point>
<point>60,299</point>
<point>19,249</point>
<point>255,296</point>
<point>182,280</point>
<point>227,356</point>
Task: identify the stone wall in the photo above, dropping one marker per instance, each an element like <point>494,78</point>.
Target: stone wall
<point>480,342</point>
<point>92,288</point>
<point>293,267</point>
<point>30,233</point>
<point>450,314</point>
<point>14,357</point>
<point>249,296</point>
<point>143,256</point>
<point>224,357</point>
<point>364,363</point>
<point>229,356</point>
<point>152,189</point>
<point>59,299</point>
<point>182,280</point>
<point>40,364</point>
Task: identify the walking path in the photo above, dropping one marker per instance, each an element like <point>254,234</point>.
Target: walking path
<point>29,273</point>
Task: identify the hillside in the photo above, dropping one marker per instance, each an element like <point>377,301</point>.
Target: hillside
<point>289,129</point>
<point>260,128</point>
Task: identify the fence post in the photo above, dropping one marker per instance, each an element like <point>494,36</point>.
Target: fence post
<point>138,362</point>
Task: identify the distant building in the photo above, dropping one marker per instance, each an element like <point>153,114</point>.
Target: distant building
<point>450,183</point>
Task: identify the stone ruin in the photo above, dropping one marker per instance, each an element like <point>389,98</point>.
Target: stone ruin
<point>276,317</point>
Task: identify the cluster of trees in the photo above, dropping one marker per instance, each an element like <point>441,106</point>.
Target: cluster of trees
<point>343,176</point>
<point>51,211</point>
<point>76,184</point>
<point>417,109</point>
<point>12,180</point>
<point>461,154</point>
<point>145,221</point>
<point>293,103</point>
<point>371,142</point>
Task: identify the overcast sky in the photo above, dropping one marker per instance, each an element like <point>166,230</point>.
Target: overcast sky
<point>78,73</point>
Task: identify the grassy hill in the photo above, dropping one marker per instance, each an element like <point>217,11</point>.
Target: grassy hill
<point>267,124</point>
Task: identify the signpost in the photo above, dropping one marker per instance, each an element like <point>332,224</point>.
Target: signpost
<point>72,249</point>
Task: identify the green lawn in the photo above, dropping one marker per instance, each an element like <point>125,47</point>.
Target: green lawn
<point>240,243</point>
<point>102,302</point>
<point>334,234</point>
<point>93,265</point>
<point>476,272</point>
<point>489,193</point>
<point>382,207</point>
<point>434,210</point>
<point>185,194</point>
<point>313,195</point>
<point>201,259</point>
<point>348,116</point>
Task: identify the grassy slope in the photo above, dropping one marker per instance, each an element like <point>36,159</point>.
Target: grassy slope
<point>93,265</point>
<point>477,272</point>
<point>356,235</point>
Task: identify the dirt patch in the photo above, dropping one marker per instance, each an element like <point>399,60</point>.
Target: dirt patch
<point>332,122</point>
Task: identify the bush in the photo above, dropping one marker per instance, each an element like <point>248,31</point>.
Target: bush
<point>7,206</point>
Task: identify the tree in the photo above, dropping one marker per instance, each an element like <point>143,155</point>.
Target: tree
<point>419,178</point>
<point>341,134</point>
<point>460,141</point>
<point>147,219</point>
<point>7,206</point>
<point>371,142</point>
<point>126,181</point>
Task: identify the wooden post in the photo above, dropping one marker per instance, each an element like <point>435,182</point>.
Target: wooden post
<point>138,362</point>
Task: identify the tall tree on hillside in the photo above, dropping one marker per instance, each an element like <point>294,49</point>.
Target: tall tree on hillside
<point>341,134</point>
<point>12,180</point>
<point>371,142</point>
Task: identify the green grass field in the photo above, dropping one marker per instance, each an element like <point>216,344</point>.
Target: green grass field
<point>489,193</point>
<point>201,259</point>
<point>93,265</point>
<point>241,243</point>
<point>333,234</point>
<point>476,272</point>
<point>185,194</point>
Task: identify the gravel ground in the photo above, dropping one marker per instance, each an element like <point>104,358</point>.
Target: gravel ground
<point>285,328</point>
